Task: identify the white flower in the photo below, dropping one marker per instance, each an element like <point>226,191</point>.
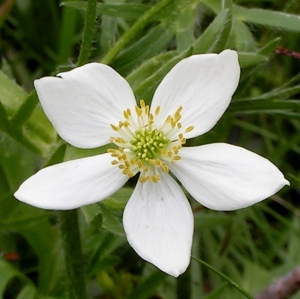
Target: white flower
<point>93,105</point>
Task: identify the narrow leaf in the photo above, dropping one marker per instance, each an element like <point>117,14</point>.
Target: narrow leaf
<point>215,36</point>
<point>250,59</point>
<point>225,277</point>
<point>128,10</point>
<point>28,292</point>
<point>25,110</point>
<point>290,107</point>
<point>269,47</point>
<point>12,95</point>
<point>4,123</point>
<point>148,286</point>
<point>275,19</point>
<point>151,44</point>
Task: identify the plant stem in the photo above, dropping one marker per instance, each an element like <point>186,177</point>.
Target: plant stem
<point>69,219</point>
<point>134,29</point>
<point>183,285</point>
<point>88,32</point>
<point>73,254</point>
<point>229,280</point>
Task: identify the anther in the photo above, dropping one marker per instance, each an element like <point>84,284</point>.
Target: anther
<point>189,129</point>
<point>145,148</point>
<point>157,110</point>
<point>142,103</point>
<point>115,128</point>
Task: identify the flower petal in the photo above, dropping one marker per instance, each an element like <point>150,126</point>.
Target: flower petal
<point>82,103</point>
<point>72,184</point>
<point>226,177</point>
<point>158,222</point>
<point>203,85</point>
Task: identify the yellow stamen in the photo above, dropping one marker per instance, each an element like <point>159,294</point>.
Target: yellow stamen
<point>157,110</point>
<point>144,147</point>
<point>189,129</point>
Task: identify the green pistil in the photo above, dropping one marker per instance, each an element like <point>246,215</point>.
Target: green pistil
<point>147,144</point>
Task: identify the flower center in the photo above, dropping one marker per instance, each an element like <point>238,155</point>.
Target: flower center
<point>148,144</point>
<point>143,146</point>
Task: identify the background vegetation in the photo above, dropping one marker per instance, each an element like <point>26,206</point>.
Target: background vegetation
<point>142,40</point>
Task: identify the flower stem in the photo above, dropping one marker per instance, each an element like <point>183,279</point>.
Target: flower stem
<point>183,285</point>
<point>88,32</point>
<point>69,219</point>
<point>73,254</point>
<point>134,29</point>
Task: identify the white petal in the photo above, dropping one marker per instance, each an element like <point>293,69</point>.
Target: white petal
<point>82,103</point>
<point>203,85</point>
<point>226,177</point>
<point>72,184</point>
<point>158,222</point>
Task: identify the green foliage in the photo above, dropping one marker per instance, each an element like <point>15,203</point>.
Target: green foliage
<point>143,40</point>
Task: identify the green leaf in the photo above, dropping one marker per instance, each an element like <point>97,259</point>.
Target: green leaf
<point>93,215</point>
<point>141,74</point>
<point>58,155</point>
<point>227,4</point>
<point>66,40</point>
<point>45,241</point>
<point>214,5</point>
<point>275,19</point>
<point>28,292</point>
<point>271,18</point>
<point>33,225</point>
<point>135,29</point>
<point>289,107</point>
<point>289,89</point>
<point>215,37</point>
<point>7,273</point>
<point>269,47</point>
<point>148,286</point>
<point>25,110</point>
<point>73,153</point>
<point>250,59</point>
<point>23,119</point>
<point>108,213</point>
<point>256,129</point>
<point>27,288</point>
<point>151,44</point>
<point>243,38</point>
<point>185,23</point>
<point>16,162</point>
<point>146,78</point>
<point>130,11</point>
<point>39,132</point>
<point>225,277</point>
<point>204,221</point>
<point>109,29</point>
<point>119,199</point>
<point>111,221</point>
<point>12,95</point>
<point>4,123</point>
<point>218,292</point>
